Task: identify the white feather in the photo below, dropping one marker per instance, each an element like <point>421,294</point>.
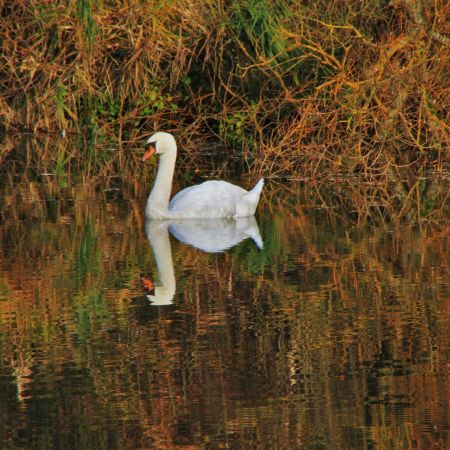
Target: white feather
<point>208,200</point>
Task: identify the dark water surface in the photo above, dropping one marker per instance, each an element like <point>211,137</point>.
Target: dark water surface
<point>332,336</point>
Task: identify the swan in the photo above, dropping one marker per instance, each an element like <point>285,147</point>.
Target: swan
<point>208,235</point>
<point>208,200</point>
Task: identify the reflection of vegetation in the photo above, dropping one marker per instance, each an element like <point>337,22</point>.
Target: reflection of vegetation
<point>328,328</point>
<point>254,260</point>
<point>90,311</point>
<point>86,257</point>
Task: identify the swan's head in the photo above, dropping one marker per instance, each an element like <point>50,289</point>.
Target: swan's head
<point>159,143</point>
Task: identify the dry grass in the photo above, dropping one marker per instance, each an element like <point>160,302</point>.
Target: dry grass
<point>300,90</point>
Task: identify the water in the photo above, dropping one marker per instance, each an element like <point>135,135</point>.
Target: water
<point>115,334</point>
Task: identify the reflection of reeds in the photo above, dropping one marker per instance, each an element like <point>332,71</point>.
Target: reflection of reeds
<point>312,322</point>
<point>312,89</point>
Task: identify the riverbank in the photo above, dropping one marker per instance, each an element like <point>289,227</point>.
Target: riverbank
<point>318,91</point>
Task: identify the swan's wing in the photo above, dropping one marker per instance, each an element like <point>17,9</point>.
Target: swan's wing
<point>211,199</point>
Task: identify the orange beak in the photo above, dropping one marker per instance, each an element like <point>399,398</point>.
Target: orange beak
<point>149,150</point>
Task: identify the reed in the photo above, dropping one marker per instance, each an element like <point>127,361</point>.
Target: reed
<point>312,89</point>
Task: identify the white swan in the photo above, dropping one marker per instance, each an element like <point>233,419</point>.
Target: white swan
<point>209,235</point>
<point>208,200</point>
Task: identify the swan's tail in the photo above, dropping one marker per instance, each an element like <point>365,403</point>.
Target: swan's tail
<point>257,189</point>
<point>249,202</point>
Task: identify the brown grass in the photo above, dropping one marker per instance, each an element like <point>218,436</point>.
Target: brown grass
<point>319,90</point>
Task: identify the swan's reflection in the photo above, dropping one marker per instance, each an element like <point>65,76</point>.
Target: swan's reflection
<point>215,235</point>
<point>209,235</point>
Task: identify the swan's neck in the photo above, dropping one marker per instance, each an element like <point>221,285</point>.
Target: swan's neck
<point>158,199</point>
<point>158,235</point>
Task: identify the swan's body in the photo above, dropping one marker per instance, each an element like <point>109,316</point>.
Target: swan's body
<point>208,200</point>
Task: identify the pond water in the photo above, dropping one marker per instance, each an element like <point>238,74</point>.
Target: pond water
<point>296,329</point>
